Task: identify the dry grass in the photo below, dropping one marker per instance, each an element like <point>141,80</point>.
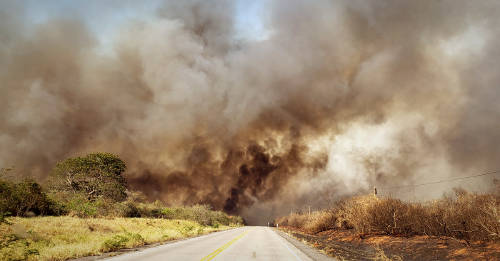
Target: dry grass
<point>316,222</point>
<point>464,216</point>
<point>60,238</point>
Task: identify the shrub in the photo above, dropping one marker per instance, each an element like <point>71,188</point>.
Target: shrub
<point>121,240</point>
<point>320,221</point>
<point>201,214</point>
<point>236,220</point>
<point>121,209</point>
<point>130,210</point>
<point>463,216</point>
<point>79,206</point>
<point>95,175</point>
<point>115,242</point>
<point>315,222</point>
<point>351,213</point>
<point>25,198</point>
<point>392,217</point>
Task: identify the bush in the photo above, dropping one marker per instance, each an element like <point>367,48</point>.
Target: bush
<point>321,221</point>
<point>115,242</point>
<point>463,216</point>
<point>130,210</point>
<point>25,198</point>
<point>201,214</point>
<point>393,217</point>
<point>79,206</point>
<point>315,222</point>
<point>120,241</point>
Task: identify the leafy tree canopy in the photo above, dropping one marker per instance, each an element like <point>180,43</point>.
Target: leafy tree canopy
<point>22,198</point>
<point>94,175</point>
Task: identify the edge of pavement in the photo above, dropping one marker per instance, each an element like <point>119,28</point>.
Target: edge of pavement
<point>309,251</point>
<point>148,246</point>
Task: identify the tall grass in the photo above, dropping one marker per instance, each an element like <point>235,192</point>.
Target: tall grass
<point>61,238</point>
<point>465,216</point>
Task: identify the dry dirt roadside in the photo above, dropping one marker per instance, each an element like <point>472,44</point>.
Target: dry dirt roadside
<point>346,245</point>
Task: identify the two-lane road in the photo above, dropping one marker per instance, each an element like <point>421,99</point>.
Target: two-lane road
<point>246,243</point>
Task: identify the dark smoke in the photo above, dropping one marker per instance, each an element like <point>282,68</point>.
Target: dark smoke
<point>335,97</point>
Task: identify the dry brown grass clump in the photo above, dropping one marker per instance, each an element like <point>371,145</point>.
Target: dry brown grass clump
<point>321,221</point>
<point>464,216</point>
<point>315,222</point>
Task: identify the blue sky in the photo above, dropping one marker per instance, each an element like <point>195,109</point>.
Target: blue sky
<point>106,16</point>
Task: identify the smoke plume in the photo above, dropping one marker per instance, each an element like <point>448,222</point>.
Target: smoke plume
<point>334,98</point>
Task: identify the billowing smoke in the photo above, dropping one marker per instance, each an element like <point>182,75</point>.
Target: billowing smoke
<point>333,98</point>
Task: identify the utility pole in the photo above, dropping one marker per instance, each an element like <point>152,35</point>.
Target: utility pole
<point>309,210</point>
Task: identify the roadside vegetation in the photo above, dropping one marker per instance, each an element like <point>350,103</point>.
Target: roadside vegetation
<point>86,209</point>
<point>466,216</point>
<point>64,237</point>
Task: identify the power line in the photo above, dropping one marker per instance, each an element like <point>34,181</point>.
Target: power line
<point>445,180</point>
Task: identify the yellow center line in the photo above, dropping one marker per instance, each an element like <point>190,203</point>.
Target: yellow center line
<point>220,249</point>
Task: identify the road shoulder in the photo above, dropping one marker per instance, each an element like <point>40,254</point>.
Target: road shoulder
<point>148,247</point>
<point>312,253</point>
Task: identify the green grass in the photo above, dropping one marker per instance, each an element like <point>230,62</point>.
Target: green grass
<point>60,238</point>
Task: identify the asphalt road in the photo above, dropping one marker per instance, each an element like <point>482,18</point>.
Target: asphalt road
<point>246,243</point>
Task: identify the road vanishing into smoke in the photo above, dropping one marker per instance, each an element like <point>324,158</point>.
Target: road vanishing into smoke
<point>247,243</point>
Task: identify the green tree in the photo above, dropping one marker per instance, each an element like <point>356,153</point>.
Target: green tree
<point>95,175</point>
<point>24,197</point>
